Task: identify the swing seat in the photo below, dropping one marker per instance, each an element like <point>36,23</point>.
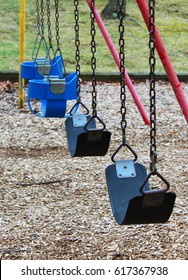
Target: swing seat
<point>82,142</point>
<point>129,205</point>
<point>53,94</point>
<point>31,70</point>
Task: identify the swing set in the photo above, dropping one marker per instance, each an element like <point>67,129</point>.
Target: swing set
<point>133,200</point>
<point>48,81</point>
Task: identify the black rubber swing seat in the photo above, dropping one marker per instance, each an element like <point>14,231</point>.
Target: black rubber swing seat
<point>84,141</point>
<point>130,206</point>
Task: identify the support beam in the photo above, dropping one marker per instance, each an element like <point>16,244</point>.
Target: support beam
<point>183,102</point>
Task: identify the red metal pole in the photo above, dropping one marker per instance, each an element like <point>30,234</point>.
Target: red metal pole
<point>183,102</point>
<point>117,60</point>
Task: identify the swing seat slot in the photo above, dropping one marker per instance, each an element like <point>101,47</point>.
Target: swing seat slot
<point>53,103</point>
<point>82,143</point>
<point>31,70</point>
<point>130,206</point>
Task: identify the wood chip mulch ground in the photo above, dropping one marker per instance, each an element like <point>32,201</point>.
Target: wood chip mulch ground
<point>57,207</point>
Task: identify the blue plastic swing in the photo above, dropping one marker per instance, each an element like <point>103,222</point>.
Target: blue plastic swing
<point>41,67</point>
<point>53,93</point>
<point>48,82</point>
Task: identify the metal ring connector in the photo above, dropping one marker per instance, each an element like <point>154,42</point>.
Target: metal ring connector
<point>129,148</point>
<point>155,173</point>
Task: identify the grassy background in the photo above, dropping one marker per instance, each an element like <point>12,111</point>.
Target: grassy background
<point>171,19</point>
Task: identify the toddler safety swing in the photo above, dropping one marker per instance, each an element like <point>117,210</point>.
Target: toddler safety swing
<point>53,91</point>
<point>86,135</point>
<point>41,66</point>
<point>132,199</point>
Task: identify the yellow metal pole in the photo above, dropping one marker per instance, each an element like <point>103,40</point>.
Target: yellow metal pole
<point>22,48</point>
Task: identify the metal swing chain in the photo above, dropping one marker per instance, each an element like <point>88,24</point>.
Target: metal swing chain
<point>40,27</point>
<point>153,148</point>
<point>123,109</point>
<point>152,93</point>
<point>77,43</point>
<point>49,23</point>
<point>42,18</point>
<point>57,23</point>
<point>38,17</point>
<point>93,58</point>
<point>122,71</point>
<point>58,49</point>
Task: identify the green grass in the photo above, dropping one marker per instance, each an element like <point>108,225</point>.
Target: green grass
<point>171,18</point>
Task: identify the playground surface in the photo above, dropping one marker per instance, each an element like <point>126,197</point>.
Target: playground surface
<point>57,207</point>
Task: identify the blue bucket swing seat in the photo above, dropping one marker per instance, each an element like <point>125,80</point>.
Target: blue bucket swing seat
<point>53,93</point>
<point>49,84</point>
<point>39,67</point>
<point>55,87</point>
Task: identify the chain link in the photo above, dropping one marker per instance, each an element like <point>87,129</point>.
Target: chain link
<point>93,58</point>
<point>153,148</point>
<point>123,108</point>
<point>77,44</point>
